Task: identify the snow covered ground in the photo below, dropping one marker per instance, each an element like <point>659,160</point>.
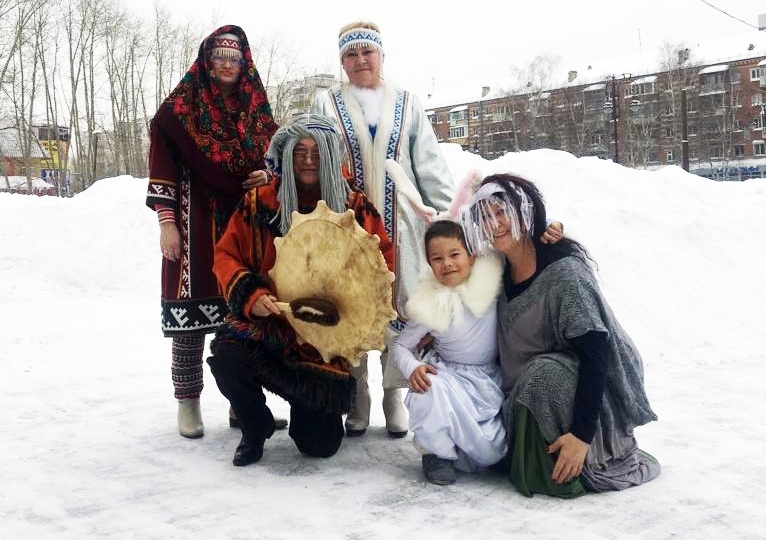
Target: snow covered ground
<point>88,441</point>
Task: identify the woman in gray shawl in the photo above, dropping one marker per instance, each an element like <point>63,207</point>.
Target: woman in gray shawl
<point>573,378</point>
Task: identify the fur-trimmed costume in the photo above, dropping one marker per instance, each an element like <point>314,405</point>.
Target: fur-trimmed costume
<point>458,417</point>
<point>403,133</point>
<point>243,257</point>
<point>202,148</point>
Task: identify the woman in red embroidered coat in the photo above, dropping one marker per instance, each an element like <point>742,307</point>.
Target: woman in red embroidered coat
<point>256,348</point>
<point>207,140</point>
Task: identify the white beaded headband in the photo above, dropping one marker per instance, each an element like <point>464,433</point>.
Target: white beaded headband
<point>359,38</point>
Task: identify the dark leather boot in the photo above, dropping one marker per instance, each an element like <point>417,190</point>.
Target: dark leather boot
<point>247,453</point>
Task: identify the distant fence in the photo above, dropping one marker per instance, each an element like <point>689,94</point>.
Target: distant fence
<point>732,174</point>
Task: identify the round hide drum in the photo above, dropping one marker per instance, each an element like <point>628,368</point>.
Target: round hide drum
<point>328,255</point>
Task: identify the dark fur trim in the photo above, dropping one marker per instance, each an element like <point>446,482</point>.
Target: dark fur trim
<point>311,388</point>
<point>242,291</point>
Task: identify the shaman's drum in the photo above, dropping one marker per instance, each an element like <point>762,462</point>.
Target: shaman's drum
<point>328,255</point>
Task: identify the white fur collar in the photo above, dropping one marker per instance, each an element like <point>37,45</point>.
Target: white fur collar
<point>373,150</point>
<point>369,99</point>
<point>436,305</point>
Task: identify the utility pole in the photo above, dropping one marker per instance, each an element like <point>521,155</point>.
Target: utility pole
<point>684,133</point>
<point>615,105</point>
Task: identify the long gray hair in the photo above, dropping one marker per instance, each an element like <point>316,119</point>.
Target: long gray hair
<point>279,160</point>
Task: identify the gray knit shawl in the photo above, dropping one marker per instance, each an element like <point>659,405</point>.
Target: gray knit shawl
<point>538,362</point>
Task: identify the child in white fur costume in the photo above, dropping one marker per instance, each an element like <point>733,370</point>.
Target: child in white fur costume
<point>454,400</point>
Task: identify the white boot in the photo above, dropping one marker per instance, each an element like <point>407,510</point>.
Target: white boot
<point>393,380</point>
<point>396,418</point>
<point>358,417</point>
<point>190,418</point>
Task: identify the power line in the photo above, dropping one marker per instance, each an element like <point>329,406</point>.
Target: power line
<point>729,14</point>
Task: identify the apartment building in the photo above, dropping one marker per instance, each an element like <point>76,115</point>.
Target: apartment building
<point>706,116</point>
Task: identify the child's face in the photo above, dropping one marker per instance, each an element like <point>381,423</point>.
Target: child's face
<point>449,261</point>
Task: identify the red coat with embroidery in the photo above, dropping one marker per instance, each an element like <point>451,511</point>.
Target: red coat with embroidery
<point>246,252</point>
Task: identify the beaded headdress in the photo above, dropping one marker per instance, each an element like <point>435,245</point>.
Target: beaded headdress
<point>359,38</point>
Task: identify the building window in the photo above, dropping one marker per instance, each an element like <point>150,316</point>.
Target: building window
<point>735,100</point>
<point>668,131</point>
<point>457,116</point>
<point>597,138</point>
<point>713,79</point>
<point>759,148</point>
<point>758,122</point>
<point>736,76</point>
<point>669,158</point>
<point>640,89</point>
<point>739,150</point>
<point>755,74</point>
<point>691,130</point>
<point>457,132</point>
<point>756,99</point>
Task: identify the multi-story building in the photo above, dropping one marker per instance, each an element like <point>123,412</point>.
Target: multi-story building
<point>14,159</point>
<point>707,116</point>
<point>295,97</point>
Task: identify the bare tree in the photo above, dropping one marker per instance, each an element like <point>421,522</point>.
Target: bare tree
<point>57,141</point>
<point>570,117</point>
<point>174,48</point>
<point>538,81</point>
<point>21,90</point>
<point>280,70</point>
<point>527,106</point>
<point>126,60</point>
<point>15,16</point>
<point>677,65</point>
<point>81,19</point>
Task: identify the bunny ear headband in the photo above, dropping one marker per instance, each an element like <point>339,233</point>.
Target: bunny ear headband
<point>405,187</point>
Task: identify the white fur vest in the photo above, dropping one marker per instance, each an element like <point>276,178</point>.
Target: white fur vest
<point>436,305</point>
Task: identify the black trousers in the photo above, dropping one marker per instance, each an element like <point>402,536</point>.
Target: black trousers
<point>315,432</point>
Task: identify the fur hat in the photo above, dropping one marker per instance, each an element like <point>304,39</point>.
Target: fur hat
<point>226,45</point>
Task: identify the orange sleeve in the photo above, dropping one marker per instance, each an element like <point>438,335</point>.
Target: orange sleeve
<point>233,265</point>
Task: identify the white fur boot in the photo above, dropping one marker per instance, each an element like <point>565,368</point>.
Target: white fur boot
<point>358,417</point>
<point>190,418</point>
<point>396,418</point>
<point>393,380</point>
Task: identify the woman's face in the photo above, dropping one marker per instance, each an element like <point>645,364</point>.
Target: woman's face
<point>449,260</point>
<point>306,162</point>
<point>226,71</point>
<point>362,66</point>
<point>498,226</point>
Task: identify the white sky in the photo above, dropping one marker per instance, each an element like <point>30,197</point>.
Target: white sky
<point>441,45</point>
<point>88,441</point>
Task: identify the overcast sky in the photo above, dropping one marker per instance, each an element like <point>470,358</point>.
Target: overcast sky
<point>432,45</point>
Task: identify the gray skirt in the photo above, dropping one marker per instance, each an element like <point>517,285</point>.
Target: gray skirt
<point>546,387</point>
